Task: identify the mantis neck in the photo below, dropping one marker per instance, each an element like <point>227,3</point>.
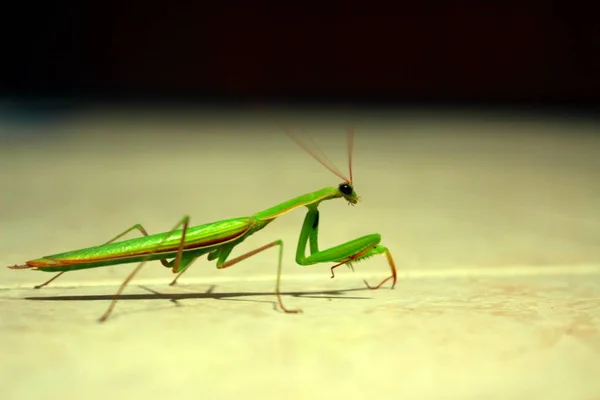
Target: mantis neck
<point>308,199</point>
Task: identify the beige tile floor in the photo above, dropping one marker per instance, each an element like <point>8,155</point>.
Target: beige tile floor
<point>492,219</point>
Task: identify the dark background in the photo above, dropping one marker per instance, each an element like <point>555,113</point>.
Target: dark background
<point>468,52</point>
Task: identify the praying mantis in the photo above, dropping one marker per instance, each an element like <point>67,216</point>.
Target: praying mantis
<point>184,244</point>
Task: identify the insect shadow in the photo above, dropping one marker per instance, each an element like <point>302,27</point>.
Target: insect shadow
<point>208,294</point>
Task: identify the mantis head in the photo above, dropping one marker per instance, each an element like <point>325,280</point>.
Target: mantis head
<point>347,192</point>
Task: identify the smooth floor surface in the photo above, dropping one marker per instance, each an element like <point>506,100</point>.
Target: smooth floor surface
<point>493,222</point>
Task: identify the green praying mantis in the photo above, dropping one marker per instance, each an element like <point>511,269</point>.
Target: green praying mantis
<point>184,244</point>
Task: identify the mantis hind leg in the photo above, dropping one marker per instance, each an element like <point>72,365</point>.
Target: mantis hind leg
<point>41,285</point>
<point>185,262</point>
<point>139,227</point>
<point>345,253</point>
<point>175,263</point>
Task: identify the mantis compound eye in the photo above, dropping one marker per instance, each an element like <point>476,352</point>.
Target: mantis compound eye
<point>345,189</point>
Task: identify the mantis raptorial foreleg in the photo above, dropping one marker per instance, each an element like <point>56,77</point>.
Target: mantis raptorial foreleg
<point>139,227</point>
<point>345,252</point>
<point>354,250</point>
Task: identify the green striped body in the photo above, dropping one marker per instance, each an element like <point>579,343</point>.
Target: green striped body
<point>200,240</point>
